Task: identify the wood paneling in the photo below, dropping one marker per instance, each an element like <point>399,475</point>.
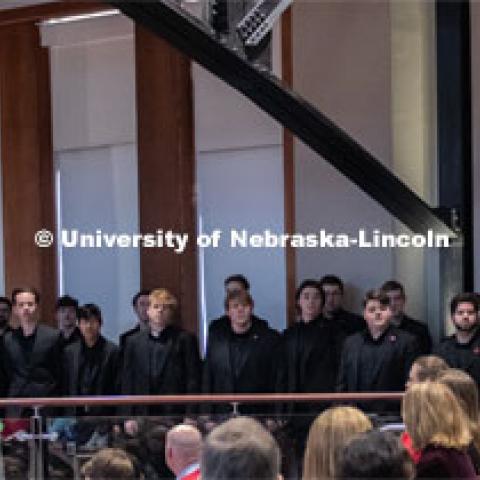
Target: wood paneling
<point>36,13</point>
<point>27,165</point>
<point>289,168</point>
<point>166,165</point>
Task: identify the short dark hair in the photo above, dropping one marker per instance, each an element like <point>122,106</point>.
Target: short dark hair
<point>375,454</point>
<point>240,448</point>
<point>7,301</point>
<point>242,296</point>
<point>392,285</point>
<point>144,292</point>
<point>66,301</point>
<point>376,294</point>
<point>90,310</point>
<point>237,278</point>
<point>331,280</point>
<point>308,283</point>
<point>19,290</point>
<point>465,297</point>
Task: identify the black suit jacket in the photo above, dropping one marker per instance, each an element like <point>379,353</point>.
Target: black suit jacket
<point>420,331</point>
<point>263,370</point>
<point>106,378</point>
<point>40,375</point>
<point>126,335</point>
<point>394,356</point>
<point>179,374</point>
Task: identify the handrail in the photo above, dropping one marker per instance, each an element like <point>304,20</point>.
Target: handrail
<point>189,399</point>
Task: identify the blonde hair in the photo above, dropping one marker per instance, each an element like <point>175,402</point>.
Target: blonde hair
<point>432,415</point>
<point>164,296</point>
<point>109,463</point>
<point>465,390</point>
<point>329,433</point>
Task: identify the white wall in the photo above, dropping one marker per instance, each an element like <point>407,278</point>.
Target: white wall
<point>94,140</point>
<point>342,65</point>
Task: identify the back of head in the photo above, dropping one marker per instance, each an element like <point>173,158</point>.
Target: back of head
<point>429,367</point>
<point>182,447</point>
<point>328,434</point>
<point>374,454</point>
<point>465,390</point>
<point>433,416</point>
<point>240,449</point>
<point>109,463</point>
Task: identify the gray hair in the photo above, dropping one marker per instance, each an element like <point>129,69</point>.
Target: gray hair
<point>240,448</point>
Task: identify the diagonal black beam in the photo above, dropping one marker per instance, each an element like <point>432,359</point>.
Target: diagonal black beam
<point>194,39</point>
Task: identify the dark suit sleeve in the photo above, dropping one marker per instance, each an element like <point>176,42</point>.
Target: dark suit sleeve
<point>342,383</point>
<point>192,365</point>
<point>126,376</point>
<point>58,365</point>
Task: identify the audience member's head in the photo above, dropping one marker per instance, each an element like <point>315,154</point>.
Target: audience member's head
<point>396,293</point>
<point>240,448</point>
<point>239,308</point>
<point>328,434</point>
<point>332,287</point>
<point>109,463</point>
<point>465,390</point>
<point>236,282</point>
<point>375,454</point>
<point>426,367</point>
<point>140,303</point>
<point>309,300</point>
<point>5,312</point>
<point>433,416</point>
<point>162,309</point>
<point>182,447</point>
<point>464,310</point>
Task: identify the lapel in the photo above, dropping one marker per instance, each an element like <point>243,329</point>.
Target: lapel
<point>170,333</point>
<point>74,377</point>
<point>386,348</point>
<point>37,347</point>
<point>251,350</point>
<point>352,368</point>
<point>224,355</point>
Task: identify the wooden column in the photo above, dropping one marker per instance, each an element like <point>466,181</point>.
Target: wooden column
<point>166,168</point>
<point>289,168</point>
<point>27,165</point>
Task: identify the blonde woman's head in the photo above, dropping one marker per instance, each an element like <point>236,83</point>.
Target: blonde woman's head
<point>328,434</point>
<point>432,415</point>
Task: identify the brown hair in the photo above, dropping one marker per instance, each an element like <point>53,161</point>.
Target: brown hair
<point>109,463</point>
<point>429,367</point>
<point>240,448</point>
<point>329,433</point>
<point>465,389</point>
<point>432,415</point>
<point>242,296</point>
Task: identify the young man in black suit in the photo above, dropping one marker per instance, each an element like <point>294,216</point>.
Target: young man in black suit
<point>140,307</point>
<point>246,357</point>
<point>163,360</point>
<point>379,358</point>
<point>32,355</point>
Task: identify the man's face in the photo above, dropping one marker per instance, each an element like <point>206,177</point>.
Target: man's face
<point>465,317</point>
<point>377,315</point>
<point>66,318</point>
<point>90,329</point>
<point>310,303</point>
<point>234,286</point>
<point>160,314</point>
<point>397,302</point>
<point>141,307</point>
<point>25,307</point>
<point>333,298</point>
<point>240,314</point>
<point>4,314</point>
